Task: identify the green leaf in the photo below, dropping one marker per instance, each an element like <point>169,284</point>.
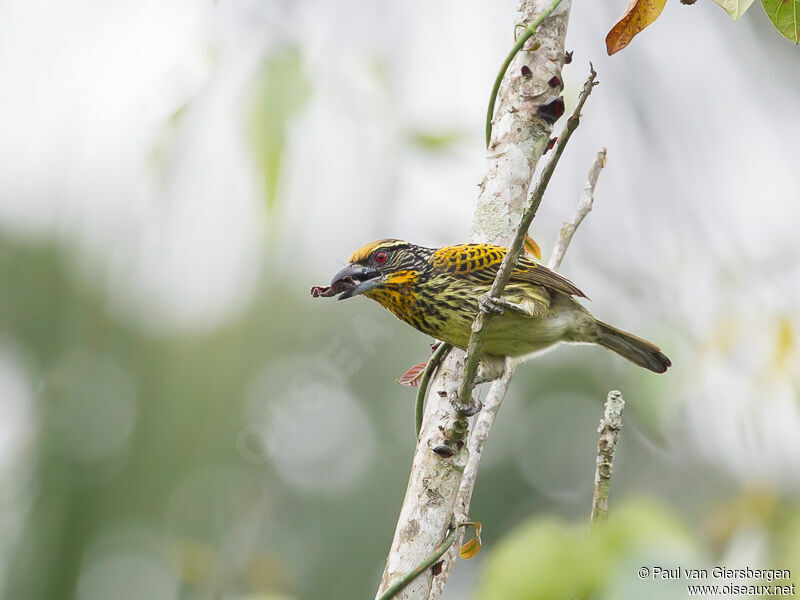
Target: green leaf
<point>546,558</point>
<point>735,8</point>
<point>282,90</point>
<point>785,15</point>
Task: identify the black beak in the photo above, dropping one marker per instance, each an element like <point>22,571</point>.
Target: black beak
<point>368,279</point>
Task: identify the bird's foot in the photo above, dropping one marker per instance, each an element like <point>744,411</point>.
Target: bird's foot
<point>467,410</point>
<point>490,305</point>
<point>497,306</point>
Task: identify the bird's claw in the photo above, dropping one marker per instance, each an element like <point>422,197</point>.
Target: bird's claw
<point>468,410</point>
<point>473,408</point>
<point>491,305</point>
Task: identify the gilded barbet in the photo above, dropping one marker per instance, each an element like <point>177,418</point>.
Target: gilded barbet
<point>439,292</point>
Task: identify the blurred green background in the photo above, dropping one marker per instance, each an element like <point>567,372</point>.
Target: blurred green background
<point>179,419</point>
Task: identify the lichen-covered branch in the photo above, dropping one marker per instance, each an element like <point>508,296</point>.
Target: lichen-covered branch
<point>609,430</point>
<point>481,428</point>
<point>521,130</point>
<point>528,103</point>
<point>530,30</point>
<point>401,583</point>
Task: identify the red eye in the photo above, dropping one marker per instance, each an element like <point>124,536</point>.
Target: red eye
<point>380,257</point>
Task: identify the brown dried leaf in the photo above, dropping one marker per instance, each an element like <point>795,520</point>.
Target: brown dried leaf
<point>638,15</point>
<point>532,248</point>
<point>413,376</point>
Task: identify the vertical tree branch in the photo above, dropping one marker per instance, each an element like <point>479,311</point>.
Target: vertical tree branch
<point>519,136</point>
<point>520,133</point>
<point>481,428</point>
<point>609,430</point>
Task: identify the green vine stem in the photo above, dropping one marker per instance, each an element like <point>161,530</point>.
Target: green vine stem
<point>434,361</point>
<point>526,35</point>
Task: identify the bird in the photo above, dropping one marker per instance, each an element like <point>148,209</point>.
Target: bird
<point>439,292</point>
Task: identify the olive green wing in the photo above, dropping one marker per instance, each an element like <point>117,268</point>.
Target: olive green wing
<point>482,261</point>
<point>528,270</point>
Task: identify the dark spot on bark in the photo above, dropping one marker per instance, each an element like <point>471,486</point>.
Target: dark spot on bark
<point>436,569</point>
<point>550,144</point>
<point>555,81</point>
<point>442,394</point>
<point>552,109</point>
<point>444,451</point>
<point>526,71</point>
<point>568,57</point>
<point>411,529</point>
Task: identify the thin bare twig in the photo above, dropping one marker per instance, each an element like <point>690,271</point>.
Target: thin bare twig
<point>485,419</point>
<point>584,207</point>
<point>512,256</point>
<point>609,430</point>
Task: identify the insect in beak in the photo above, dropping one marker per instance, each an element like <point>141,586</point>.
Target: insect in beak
<point>367,277</point>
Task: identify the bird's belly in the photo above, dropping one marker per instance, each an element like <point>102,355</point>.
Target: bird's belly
<point>516,335</point>
<point>509,334</point>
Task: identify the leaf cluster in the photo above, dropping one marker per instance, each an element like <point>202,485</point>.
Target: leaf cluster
<point>784,15</point>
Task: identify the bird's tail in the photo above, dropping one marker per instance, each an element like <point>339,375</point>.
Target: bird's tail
<point>635,349</point>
